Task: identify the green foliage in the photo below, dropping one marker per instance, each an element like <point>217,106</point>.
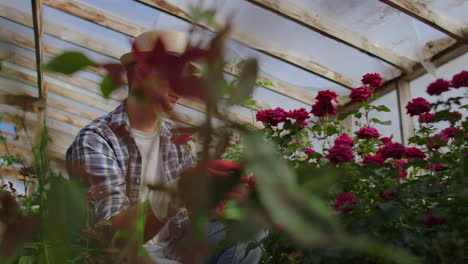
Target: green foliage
<point>107,86</point>
<point>378,121</point>
<point>246,84</point>
<point>69,62</point>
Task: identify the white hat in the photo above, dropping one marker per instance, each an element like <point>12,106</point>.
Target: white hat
<point>174,41</point>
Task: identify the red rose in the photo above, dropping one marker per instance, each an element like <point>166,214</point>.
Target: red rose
<point>250,181</point>
<point>326,96</point>
<point>460,80</point>
<point>372,79</point>
<point>389,196</point>
<point>324,105</point>
<point>377,159</point>
<point>435,167</point>
<point>434,142</point>
<point>309,151</point>
<point>361,94</point>
<point>300,115</point>
<point>438,87</point>
<point>272,117</point>
<point>223,167</point>
<point>414,153</point>
<point>418,106</point>
<point>181,139</point>
<point>398,164</point>
<point>392,150</point>
<point>367,132</point>
<point>345,202</point>
<point>344,139</point>
<point>450,132</point>
<point>385,140</point>
<point>426,118</point>
<point>340,153</point>
<point>431,220</point>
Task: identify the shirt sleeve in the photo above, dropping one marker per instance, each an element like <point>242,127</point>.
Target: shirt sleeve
<point>91,158</point>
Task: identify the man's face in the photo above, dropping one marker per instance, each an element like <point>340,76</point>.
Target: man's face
<point>154,92</point>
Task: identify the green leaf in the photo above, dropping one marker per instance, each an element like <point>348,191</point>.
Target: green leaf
<point>68,63</point>
<point>233,212</point>
<point>107,86</point>
<point>305,217</point>
<point>26,260</point>
<point>377,121</point>
<point>250,102</point>
<point>381,108</point>
<point>343,116</point>
<point>464,106</point>
<point>247,81</point>
<point>264,84</point>
<point>358,115</point>
<point>67,204</point>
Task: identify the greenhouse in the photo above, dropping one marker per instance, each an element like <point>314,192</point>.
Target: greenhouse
<point>233,131</point>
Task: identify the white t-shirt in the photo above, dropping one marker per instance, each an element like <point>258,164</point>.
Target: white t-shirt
<point>148,145</point>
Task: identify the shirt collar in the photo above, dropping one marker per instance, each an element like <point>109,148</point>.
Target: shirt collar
<point>119,119</point>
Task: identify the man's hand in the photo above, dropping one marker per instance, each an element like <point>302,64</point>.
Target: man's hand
<point>205,189</point>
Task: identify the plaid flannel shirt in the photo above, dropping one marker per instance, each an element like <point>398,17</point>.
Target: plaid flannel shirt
<point>112,163</point>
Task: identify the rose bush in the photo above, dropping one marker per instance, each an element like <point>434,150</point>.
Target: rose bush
<point>412,197</point>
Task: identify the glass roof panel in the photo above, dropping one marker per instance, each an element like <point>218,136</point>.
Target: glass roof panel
<point>377,21</point>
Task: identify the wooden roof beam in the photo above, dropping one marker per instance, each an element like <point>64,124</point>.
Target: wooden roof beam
<point>420,11</point>
<point>310,66</point>
<point>118,23</point>
<point>328,28</point>
<point>453,51</point>
<point>77,39</point>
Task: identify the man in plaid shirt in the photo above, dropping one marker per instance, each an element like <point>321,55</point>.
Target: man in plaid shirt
<point>119,151</point>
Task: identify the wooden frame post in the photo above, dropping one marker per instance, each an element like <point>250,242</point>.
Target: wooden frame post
<point>406,122</point>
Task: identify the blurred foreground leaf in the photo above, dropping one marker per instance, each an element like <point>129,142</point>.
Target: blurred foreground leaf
<point>64,217</point>
<point>107,86</point>
<point>69,62</point>
<point>306,218</point>
<point>247,81</point>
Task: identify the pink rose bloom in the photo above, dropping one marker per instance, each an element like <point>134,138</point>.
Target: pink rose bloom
<point>460,80</point>
<point>418,106</point>
<point>385,140</point>
<point>450,132</point>
<point>321,109</point>
<point>426,118</point>
<point>272,117</point>
<point>392,150</point>
<point>398,164</point>
<point>361,94</point>
<point>324,105</point>
<point>377,159</point>
<point>344,139</point>
<point>433,144</point>
<point>431,220</point>
<point>300,115</point>
<point>309,151</point>
<point>367,132</point>
<point>438,87</point>
<point>326,96</point>
<point>345,202</point>
<point>414,153</point>
<point>340,153</point>
<point>435,167</point>
<point>372,79</point>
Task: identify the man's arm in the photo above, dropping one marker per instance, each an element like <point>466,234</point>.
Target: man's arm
<point>92,160</point>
